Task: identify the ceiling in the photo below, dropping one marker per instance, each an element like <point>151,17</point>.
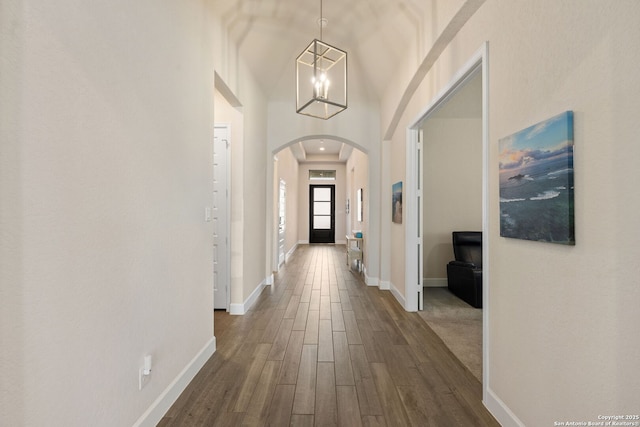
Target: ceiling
<point>377,35</point>
<point>466,103</point>
<point>322,150</point>
<point>272,33</point>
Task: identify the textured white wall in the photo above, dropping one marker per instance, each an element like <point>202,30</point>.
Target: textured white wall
<point>452,192</point>
<point>357,173</point>
<point>561,318</point>
<point>397,231</point>
<point>385,212</point>
<point>254,154</point>
<point>438,16</point>
<point>572,311</point>
<point>288,171</point>
<point>106,173</point>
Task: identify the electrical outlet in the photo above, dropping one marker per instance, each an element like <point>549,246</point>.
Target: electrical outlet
<point>143,379</point>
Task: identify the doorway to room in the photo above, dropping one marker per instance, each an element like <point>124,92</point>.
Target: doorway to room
<point>434,247</point>
<point>227,133</point>
<point>452,202</point>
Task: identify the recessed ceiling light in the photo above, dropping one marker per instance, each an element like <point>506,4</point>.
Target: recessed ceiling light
<point>321,148</point>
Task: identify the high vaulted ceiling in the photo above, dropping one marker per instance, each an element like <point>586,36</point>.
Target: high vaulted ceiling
<point>272,33</point>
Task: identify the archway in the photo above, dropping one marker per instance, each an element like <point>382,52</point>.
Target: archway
<point>280,159</point>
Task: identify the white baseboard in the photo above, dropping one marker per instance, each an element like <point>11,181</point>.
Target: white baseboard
<point>290,253</point>
<point>240,309</point>
<point>398,296</point>
<point>236,309</point>
<point>384,285</point>
<point>370,281</point>
<point>501,411</point>
<point>434,283</point>
<point>341,242</point>
<point>161,405</point>
<point>303,242</point>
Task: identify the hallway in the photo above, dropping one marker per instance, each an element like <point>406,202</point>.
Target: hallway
<point>321,348</point>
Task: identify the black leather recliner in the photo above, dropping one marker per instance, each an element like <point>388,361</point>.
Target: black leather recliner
<point>464,275</point>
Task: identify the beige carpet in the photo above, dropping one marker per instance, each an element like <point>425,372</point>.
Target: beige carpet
<point>458,324</point>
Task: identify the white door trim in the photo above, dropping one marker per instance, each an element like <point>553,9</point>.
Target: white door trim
<point>478,61</point>
<point>227,158</point>
<point>282,222</point>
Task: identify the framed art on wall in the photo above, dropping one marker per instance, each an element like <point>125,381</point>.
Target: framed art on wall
<point>396,203</point>
<point>536,182</point>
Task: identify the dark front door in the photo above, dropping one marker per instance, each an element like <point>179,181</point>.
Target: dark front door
<point>322,214</point>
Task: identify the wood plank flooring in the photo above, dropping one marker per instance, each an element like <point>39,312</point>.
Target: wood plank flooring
<point>320,348</point>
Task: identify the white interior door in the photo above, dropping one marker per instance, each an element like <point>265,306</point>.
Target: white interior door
<point>282,221</point>
<point>220,215</point>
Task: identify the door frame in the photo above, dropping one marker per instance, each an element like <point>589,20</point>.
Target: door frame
<point>227,159</point>
<point>282,254</point>
<point>333,209</point>
<point>479,61</point>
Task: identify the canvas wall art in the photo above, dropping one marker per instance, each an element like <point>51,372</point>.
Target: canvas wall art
<point>536,182</point>
<point>396,203</point>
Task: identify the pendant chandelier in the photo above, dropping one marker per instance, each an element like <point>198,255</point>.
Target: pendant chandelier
<point>321,78</point>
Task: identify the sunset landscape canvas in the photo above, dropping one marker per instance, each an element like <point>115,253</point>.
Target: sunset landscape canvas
<point>536,182</point>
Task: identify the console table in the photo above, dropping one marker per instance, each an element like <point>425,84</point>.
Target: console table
<point>354,252</point>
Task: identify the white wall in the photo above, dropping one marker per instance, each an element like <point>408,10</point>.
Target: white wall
<point>255,224</point>
<point>357,177</point>
<point>105,160</point>
<point>396,236</point>
<point>452,192</point>
<point>439,15</point>
<point>385,213</point>
<point>288,171</point>
<point>560,317</point>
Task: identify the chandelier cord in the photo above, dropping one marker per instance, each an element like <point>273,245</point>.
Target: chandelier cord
<point>321,21</point>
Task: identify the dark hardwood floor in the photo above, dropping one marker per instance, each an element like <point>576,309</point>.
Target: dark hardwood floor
<point>320,348</point>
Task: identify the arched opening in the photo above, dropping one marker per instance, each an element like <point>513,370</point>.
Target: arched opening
<point>312,160</point>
